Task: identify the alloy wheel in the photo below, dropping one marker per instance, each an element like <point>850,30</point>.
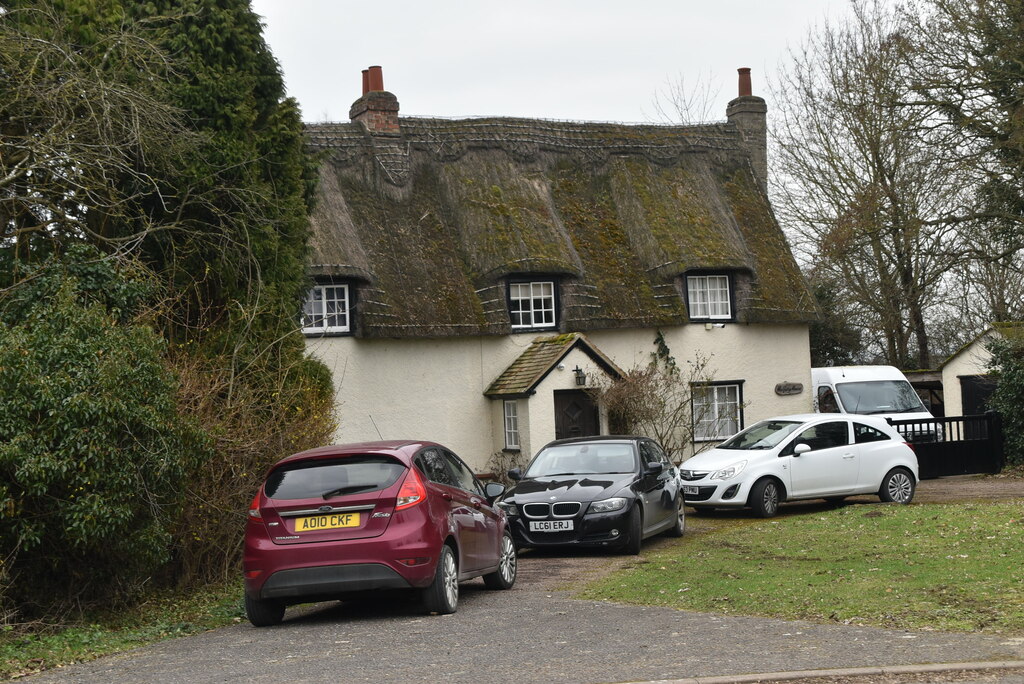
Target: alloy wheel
<point>451,580</point>
<point>507,564</point>
<point>771,498</point>
<point>900,487</point>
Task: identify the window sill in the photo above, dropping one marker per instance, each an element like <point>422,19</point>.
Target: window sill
<point>326,333</point>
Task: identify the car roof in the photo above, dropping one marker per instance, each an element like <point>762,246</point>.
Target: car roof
<point>596,438</point>
<point>810,417</point>
<point>400,448</point>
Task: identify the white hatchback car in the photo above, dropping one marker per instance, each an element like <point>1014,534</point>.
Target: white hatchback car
<point>812,456</point>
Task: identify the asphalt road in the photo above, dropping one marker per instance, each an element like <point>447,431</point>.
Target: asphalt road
<point>536,632</point>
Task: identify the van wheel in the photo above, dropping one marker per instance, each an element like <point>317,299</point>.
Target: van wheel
<point>764,498</point>
<point>897,486</point>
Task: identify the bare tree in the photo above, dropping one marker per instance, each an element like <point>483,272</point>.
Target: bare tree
<point>83,130</point>
<point>968,81</point>
<point>858,185</point>
<point>680,102</point>
<point>658,400</point>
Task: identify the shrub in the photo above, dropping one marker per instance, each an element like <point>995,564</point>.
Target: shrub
<point>1007,365</point>
<point>92,450</point>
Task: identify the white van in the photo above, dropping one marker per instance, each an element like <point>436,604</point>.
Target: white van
<point>872,390</point>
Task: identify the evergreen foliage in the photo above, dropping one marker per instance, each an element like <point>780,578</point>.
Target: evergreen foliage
<point>93,453</point>
<point>835,340</point>
<point>1007,366</point>
<point>154,193</point>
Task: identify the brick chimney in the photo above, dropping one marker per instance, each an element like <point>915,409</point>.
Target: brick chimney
<point>749,113</point>
<point>377,109</point>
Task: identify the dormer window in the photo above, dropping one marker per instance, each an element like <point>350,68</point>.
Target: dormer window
<point>326,309</point>
<point>709,297</point>
<point>531,304</point>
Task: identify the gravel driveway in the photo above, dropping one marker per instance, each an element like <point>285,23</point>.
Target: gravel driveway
<point>538,632</point>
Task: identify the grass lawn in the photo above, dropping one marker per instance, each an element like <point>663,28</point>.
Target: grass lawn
<point>954,567</point>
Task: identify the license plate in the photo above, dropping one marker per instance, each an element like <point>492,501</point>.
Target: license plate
<point>550,525</point>
<point>326,522</point>
<point>691,490</point>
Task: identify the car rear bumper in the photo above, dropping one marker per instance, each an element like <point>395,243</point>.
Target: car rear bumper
<point>298,571</point>
<point>331,580</point>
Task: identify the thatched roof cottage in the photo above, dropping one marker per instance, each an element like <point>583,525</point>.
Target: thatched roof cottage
<point>462,265</point>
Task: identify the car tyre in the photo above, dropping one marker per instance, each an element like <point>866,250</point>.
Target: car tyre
<point>764,498</point>
<point>442,596</point>
<point>679,524</point>
<point>505,576</point>
<point>263,613</point>
<point>897,486</point>
<point>634,538</point>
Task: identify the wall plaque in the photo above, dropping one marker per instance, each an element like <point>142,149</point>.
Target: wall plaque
<point>785,389</point>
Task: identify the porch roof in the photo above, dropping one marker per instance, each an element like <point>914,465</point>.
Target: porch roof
<point>523,375</point>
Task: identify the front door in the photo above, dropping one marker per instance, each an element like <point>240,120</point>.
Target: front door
<point>575,414</point>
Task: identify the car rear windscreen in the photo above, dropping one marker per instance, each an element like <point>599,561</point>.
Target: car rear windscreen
<point>333,477</point>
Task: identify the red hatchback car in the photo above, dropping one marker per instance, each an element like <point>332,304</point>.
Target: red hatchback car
<point>341,520</point>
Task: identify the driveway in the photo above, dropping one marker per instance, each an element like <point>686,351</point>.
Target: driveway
<point>537,632</point>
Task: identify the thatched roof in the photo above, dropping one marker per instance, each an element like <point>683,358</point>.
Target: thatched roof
<point>434,219</point>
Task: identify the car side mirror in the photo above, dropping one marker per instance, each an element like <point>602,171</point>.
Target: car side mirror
<point>654,468</point>
<point>515,474</point>
<point>492,490</point>
<point>802,448</point>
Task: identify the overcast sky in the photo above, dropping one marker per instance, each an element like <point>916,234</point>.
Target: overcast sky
<point>592,60</point>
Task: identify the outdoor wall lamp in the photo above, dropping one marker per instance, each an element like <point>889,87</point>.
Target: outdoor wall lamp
<point>581,377</point>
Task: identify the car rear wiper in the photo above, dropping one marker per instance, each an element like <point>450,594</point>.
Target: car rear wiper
<point>351,489</point>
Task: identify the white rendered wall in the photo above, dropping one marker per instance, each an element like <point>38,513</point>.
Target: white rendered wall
<point>971,360</point>
<point>433,388</point>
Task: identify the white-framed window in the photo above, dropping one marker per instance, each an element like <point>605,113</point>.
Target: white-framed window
<point>326,310</point>
<point>716,411</point>
<point>511,424</point>
<point>532,305</point>
<point>709,296</point>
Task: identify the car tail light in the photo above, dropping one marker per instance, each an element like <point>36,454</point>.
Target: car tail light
<point>254,508</point>
<point>412,491</point>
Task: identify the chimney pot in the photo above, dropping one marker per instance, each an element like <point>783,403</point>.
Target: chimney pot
<point>376,109</point>
<point>745,90</point>
<point>376,76</point>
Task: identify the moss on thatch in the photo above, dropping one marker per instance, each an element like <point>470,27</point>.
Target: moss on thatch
<point>434,222</point>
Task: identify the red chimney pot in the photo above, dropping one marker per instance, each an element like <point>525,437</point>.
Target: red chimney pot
<point>745,90</point>
<point>376,78</point>
<point>366,81</point>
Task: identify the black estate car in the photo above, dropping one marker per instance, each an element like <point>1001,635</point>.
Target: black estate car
<point>596,491</point>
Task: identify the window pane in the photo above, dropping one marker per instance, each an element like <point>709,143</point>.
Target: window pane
<point>716,412</point>
<point>511,425</point>
<point>326,309</point>
<point>709,296</point>
<point>532,304</point>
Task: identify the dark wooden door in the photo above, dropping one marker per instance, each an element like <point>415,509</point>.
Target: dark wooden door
<point>975,391</point>
<point>575,414</point>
